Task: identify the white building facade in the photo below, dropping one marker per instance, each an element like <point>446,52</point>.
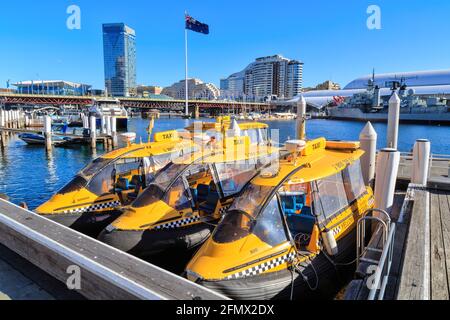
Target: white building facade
<point>267,77</point>
<point>198,90</point>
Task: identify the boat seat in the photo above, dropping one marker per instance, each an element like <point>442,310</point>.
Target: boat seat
<point>302,223</point>
<point>211,202</point>
<point>202,192</point>
<point>229,187</point>
<point>136,184</point>
<point>292,202</point>
<point>122,184</point>
<point>194,193</point>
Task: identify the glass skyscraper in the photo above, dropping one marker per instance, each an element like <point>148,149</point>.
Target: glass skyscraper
<point>119,49</point>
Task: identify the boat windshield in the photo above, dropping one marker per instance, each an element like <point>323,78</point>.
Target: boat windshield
<point>234,176</point>
<point>159,186</point>
<point>245,218</point>
<point>95,166</point>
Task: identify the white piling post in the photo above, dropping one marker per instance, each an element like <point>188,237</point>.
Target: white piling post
<point>301,118</point>
<point>85,121</point>
<point>93,127</point>
<point>48,132</point>
<point>103,125</point>
<point>7,119</point>
<point>2,125</point>
<point>114,131</point>
<point>368,139</point>
<point>386,178</point>
<point>108,125</point>
<point>393,121</point>
<point>421,162</point>
<point>2,118</point>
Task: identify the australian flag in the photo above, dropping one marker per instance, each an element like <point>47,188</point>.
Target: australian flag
<point>197,26</point>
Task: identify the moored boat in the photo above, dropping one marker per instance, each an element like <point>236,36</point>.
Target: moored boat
<point>185,201</point>
<point>291,232</point>
<point>88,203</point>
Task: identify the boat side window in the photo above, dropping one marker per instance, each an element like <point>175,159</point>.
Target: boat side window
<point>103,181</point>
<point>330,198</point>
<point>178,195</point>
<point>353,181</point>
<point>95,166</point>
<point>234,176</point>
<point>269,225</point>
<point>126,166</point>
<point>75,184</point>
<point>161,160</point>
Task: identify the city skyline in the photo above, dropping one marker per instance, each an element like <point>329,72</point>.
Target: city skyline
<point>326,43</point>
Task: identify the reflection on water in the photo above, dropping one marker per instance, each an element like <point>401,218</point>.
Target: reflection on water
<point>31,175</point>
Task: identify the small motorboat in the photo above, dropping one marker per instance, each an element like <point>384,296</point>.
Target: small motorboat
<point>180,208</point>
<point>292,231</point>
<point>32,138</point>
<point>38,139</point>
<point>90,201</point>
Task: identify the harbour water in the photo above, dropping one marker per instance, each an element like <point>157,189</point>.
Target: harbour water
<point>28,174</point>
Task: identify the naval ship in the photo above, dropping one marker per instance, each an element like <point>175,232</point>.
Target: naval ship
<point>373,105</point>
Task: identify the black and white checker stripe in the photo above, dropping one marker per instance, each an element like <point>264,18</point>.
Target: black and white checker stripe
<point>253,271</point>
<point>95,207</point>
<point>223,210</point>
<point>336,231</point>
<point>178,223</point>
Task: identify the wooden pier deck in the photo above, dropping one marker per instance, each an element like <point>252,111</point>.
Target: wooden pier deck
<point>420,267</point>
<point>21,280</point>
<point>106,273</point>
<point>426,266</point>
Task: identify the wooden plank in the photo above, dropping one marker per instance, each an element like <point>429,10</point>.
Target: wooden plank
<point>445,222</point>
<point>414,280</point>
<point>37,278</point>
<point>107,273</point>
<point>439,283</point>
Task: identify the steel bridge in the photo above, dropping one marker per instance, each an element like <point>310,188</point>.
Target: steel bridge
<point>9,99</point>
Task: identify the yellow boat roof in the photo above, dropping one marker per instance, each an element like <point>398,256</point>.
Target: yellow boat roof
<point>327,159</point>
<point>236,149</point>
<point>148,149</point>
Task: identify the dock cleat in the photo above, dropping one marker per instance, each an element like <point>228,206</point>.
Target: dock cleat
<point>291,230</point>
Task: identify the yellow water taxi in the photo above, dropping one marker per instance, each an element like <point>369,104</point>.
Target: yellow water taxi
<point>292,227</point>
<point>89,202</point>
<point>182,205</point>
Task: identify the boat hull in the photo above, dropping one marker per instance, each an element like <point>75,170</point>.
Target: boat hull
<point>147,243</point>
<point>278,285</point>
<point>89,223</point>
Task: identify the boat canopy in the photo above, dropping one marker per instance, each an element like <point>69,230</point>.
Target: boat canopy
<point>311,192</point>
<point>229,172</point>
<point>100,175</point>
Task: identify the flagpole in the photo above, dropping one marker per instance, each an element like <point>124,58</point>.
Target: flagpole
<point>186,56</point>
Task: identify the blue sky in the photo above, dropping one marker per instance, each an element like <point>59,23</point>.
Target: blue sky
<point>330,37</point>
